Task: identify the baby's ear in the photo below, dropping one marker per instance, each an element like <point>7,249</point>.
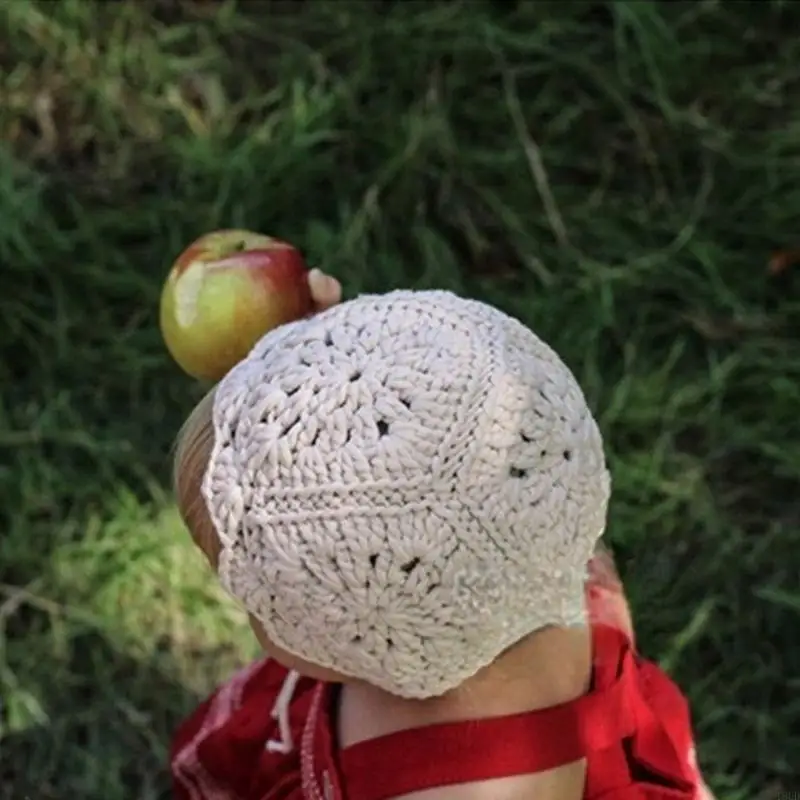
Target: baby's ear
<point>326,291</point>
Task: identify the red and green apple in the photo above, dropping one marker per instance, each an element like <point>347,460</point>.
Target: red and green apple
<point>224,292</point>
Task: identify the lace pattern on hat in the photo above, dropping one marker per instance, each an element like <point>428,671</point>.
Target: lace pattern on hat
<point>403,487</point>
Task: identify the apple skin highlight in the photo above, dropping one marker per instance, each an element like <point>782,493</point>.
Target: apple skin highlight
<point>224,292</point>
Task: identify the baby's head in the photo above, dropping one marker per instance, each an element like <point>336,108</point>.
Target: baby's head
<point>398,489</point>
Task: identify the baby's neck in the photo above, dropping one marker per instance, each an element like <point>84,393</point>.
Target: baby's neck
<point>549,668</point>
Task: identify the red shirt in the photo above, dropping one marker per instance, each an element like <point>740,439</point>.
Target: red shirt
<point>632,727</point>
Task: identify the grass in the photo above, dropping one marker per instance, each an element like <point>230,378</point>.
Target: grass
<point>616,174</point>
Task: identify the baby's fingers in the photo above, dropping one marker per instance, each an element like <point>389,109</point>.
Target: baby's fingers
<point>326,291</point>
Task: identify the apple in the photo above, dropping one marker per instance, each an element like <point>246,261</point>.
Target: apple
<point>224,292</point>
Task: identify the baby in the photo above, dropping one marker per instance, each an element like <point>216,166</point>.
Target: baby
<point>406,493</point>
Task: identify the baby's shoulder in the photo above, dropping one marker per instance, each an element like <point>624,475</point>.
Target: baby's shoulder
<point>242,740</point>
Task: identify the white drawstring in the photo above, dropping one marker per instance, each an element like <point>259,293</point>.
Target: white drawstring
<point>280,713</point>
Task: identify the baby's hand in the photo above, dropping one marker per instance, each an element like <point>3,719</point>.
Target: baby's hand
<point>326,291</point>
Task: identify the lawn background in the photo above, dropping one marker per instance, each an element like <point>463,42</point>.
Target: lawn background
<point>616,174</point>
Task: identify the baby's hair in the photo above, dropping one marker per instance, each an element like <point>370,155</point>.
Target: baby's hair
<point>192,453</point>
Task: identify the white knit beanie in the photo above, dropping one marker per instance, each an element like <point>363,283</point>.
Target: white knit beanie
<point>404,486</point>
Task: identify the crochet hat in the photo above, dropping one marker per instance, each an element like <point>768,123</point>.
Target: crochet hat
<point>403,487</point>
